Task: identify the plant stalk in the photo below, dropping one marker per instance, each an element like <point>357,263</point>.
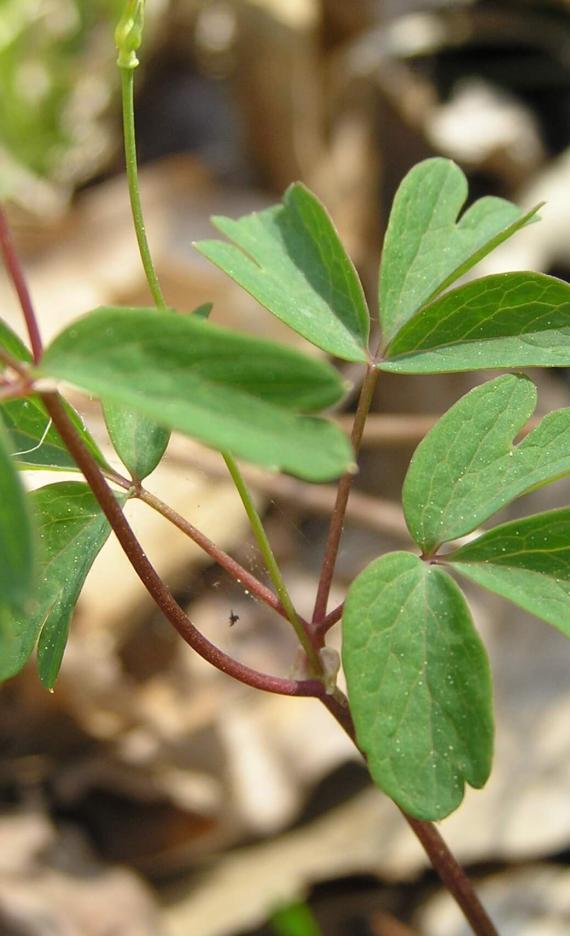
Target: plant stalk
<point>20,367</point>
<point>442,859</point>
<point>272,565</point>
<point>452,876</point>
<point>237,571</point>
<point>331,619</point>
<point>129,136</point>
<point>149,576</point>
<point>339,510</point>
<point>16,274</point>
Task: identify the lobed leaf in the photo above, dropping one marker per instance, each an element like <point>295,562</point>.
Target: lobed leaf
<point>291,260</point>
<point>16,535</point>
<point>526,561</point>
<point>72,529</point>
<point>418,683</point>
<point>228,390</point>
<point>500,321</point>
<point>426,248</point>
<point>467,467</point>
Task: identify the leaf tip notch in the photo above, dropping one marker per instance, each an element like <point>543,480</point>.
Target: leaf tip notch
<point>428,245</point>
<point>468,466</point>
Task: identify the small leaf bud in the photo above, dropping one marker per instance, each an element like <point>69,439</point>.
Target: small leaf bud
<point>128,34</point>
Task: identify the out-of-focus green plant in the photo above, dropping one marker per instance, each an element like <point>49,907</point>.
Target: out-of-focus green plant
<point>295,919</point>
<point>57,75</point>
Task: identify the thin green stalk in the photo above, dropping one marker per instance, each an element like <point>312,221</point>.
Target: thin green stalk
<point>272,565</point>
<point>127,88</point>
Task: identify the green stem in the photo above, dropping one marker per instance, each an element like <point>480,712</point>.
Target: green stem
<point>272,565</point>
<point>127,88</point>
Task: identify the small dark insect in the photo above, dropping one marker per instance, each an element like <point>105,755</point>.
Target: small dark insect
<point>234,618</point>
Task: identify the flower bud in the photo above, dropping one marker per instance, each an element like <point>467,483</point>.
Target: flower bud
<point>128,34</point>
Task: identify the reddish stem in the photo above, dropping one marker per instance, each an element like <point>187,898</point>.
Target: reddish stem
<point>339,510</point>
<point>442,859</point>
<point>331,619</point>
<point>222,558</point>
<point>453,876</point>
<point>149,576</point>
<point>237,571</point>
<point>19,281</point>
<point>19,367</point>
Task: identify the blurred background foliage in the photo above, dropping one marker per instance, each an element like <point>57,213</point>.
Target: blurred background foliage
<point>56,75</point>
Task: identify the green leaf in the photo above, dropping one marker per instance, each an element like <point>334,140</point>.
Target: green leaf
<point>34,441</point>
<point>231,391</point>
<point>418,683</point>
<point>16,535</point>
<point>72,530</point>
<point>138,441</point>
<point>467,466</point>
<point>291,260</point>
<point>526,561</point>
<point>506,320</point>
<point>12,344</point>
<point>426,248</point>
